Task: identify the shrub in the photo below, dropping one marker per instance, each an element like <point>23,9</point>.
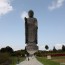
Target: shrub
<point>4,57</point>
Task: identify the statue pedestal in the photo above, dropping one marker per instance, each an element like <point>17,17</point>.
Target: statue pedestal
<point>31,48</point>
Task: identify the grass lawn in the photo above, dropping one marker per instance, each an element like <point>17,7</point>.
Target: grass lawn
<point>15,60</point>
<point>60,59</point>
<point>45,61</point>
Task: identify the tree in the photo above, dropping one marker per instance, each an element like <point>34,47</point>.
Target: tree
<point>4,57</point>
<point>63,48</point>
<point>54,49</point>
<point>7,49</point>
<point>2,50</point>
<point>46,47</point>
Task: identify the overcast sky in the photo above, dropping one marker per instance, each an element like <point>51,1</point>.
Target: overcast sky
<point>51,22</point>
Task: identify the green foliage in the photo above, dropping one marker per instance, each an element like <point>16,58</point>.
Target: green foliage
<point>46,47</point>
<point>54,49</point>
<point>63,48</point>
<point>61,57</point>
<point>8,56</point>
<point>6,49</point>
<point>46,61</point>
<point>19,53</point>
<point>14,60</point>
<point>4,57</point>
<point>39,53</point>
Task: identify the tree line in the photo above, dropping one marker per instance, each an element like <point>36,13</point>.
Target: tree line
<point>7,55</point>
<point>54,49</point>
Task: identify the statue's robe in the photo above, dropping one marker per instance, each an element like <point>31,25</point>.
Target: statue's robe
<point>31,27</point>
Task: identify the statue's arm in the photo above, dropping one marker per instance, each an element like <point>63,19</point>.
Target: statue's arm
<point>25,24</point>
<point>36,23</point>
<point>26,29</point>
<point>36,28</point>
<point>25,19</point>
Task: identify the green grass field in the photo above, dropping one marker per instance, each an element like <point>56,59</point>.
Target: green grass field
<point>60,59</point>
<point>45,61</point>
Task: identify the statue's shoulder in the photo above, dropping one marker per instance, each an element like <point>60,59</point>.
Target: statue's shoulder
<point>35,19</point>
<point>31,19</point>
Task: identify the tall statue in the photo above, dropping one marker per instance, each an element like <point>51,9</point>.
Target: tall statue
<point>31,27</point>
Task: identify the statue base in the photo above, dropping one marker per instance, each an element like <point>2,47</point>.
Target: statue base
<point>31,48</point>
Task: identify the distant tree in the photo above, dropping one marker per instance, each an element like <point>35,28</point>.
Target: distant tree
<point>2,50</point>
<point>63,48</point>
<point>4,57</point>
<point>46,47</point>
<point>38,53</point>
<point>54,49</point>
<point>19,53</point>
<point>7,49</point>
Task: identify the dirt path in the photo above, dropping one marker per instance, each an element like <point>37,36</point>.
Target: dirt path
<point>32,61</point>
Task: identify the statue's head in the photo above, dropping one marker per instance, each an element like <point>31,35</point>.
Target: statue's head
<point>31,13</point>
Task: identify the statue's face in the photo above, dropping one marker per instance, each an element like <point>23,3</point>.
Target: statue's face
<point>31,13</point>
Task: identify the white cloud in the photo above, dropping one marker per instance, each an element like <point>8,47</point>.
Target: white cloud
<point>56,4</point>
<point>5,7</point>
<point>24,14</point>
<point>59,46</point>
<point>41,47</point>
